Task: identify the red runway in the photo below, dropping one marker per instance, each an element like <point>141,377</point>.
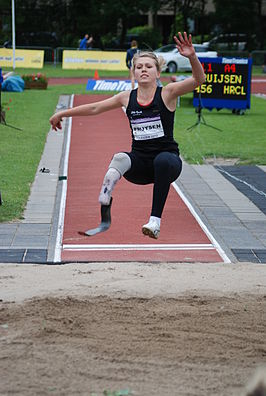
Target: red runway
<point>94,140</point>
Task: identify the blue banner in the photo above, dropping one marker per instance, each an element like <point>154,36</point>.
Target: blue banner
<point>109,85</point>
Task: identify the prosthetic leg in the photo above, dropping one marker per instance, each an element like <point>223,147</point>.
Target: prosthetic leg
<point>118,166</point>
<point>105,221</point>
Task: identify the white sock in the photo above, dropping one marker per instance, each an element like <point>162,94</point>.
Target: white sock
<point>110,179</point>
<point>157,220</point>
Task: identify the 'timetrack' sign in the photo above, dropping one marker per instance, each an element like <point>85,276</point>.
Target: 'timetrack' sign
<point>109,85</point>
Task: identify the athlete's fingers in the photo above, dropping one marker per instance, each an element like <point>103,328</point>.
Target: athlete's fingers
<point>180,37</point>
<point>177,41</point>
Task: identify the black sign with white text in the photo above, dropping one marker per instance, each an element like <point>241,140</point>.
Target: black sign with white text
<point>227,85</point>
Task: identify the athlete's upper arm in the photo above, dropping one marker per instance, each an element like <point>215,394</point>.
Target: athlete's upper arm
<point>116,101</point>
<point>173,90</point>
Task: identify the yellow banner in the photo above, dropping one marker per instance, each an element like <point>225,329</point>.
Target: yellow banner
<point>23,58</point>
<point>92,60</point>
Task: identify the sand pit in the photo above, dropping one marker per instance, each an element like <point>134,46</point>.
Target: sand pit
<point>151,329</point>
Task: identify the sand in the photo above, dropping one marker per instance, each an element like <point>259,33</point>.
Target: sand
<point>141,329</point>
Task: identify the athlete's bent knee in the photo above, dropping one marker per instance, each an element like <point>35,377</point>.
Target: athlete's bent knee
<point>168,165</point>
<point>121,162</point>
<point>162,161</point>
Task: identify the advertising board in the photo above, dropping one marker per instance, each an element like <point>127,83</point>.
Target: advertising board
<point>23,58</point>
<point>94,60</point>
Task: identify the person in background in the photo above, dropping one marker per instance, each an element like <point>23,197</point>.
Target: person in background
<point>130,53</point>
<point>90,42</point>
<point>83,42</point>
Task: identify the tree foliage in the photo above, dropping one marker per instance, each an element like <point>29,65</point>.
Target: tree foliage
<point>240,16</point>
<point>237,16</point>
<point>71,19</point>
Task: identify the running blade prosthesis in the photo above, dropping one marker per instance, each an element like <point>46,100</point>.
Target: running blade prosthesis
<point>105,221</point>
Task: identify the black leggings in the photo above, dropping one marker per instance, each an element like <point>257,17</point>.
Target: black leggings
<point>161,170</point>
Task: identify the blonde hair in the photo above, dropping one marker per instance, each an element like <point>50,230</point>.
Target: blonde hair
<point>158,60</point>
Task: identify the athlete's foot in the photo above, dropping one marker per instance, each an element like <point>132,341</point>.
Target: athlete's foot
<point>151,229</point>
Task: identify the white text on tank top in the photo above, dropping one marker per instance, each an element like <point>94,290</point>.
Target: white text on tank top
<point>147,128</point>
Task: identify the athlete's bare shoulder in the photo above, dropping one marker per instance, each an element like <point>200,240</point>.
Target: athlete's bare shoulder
<point>123,98</point>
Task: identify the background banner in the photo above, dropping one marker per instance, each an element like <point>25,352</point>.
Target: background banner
<point>91,60</point>
<point>109,85</point>
<point>23,58</point>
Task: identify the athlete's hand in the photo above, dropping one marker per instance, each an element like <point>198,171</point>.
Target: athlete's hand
<point>184,45</point>
<point>55,121</point>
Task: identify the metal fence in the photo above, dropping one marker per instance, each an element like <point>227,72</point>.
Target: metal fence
<point>58,54</point>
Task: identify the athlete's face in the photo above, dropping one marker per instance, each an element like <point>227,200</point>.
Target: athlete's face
<point>146,70</point>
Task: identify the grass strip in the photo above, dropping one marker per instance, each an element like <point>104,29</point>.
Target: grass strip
<point>20,151</point>
<point>242,137</point>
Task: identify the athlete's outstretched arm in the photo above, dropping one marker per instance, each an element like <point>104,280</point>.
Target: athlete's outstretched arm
<point>185,47</point>
<point>114,102</point>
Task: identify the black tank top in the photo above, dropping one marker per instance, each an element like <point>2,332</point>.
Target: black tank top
<point>151,125</point>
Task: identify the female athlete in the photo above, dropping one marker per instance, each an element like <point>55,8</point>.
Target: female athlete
<point>154,157</point>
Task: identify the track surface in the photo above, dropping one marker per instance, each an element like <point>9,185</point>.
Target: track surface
<point>94,140</point>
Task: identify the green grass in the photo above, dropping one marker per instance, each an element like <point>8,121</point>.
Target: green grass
<point>56,71</point>
<point>241,137</point>
<point>51,71</point>
<point>20,151</point>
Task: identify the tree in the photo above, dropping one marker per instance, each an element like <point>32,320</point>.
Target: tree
<point>201,15</point>
<point>185,10</point>
<point>154,7</point>
<point>260,25</point>
<point>5,20</point>
<point>242,16</point>
<point>123,12</point>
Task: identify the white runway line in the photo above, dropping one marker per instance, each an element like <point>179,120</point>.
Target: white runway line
<point>202,225</point>
<point>139,247</point>
<point>58,245</point>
